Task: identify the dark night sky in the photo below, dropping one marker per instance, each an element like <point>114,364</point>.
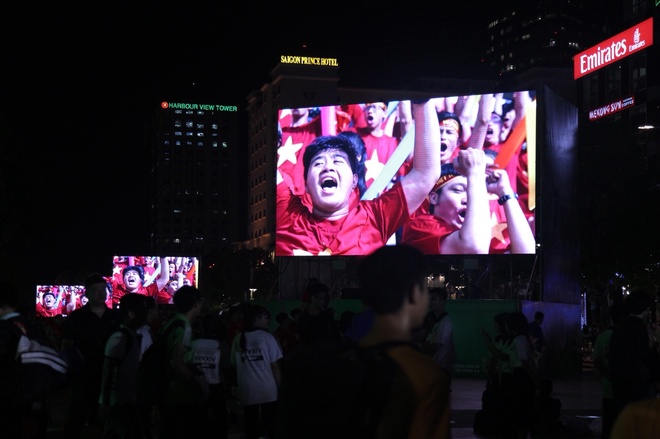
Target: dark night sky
<point>80,81</point>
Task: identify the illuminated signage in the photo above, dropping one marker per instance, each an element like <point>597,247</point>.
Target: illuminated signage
<point>618,47</point>
<point>611,108</point>
<point>187,106</point>
<point>309,61</point>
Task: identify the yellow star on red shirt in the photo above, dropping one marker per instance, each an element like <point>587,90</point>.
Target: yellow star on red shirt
<point>287,152</point>
<point>373,167</point>
<point>285,113</point>
<point>497,229</point>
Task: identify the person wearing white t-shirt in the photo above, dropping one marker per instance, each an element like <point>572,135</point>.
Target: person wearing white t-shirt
<point>255,354</point>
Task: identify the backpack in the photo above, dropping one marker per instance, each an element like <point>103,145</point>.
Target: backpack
<point>341,382</point>
<point>34,368</point>
<point>155,370</point>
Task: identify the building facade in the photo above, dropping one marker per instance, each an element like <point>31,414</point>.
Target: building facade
<point>541,33</point>
<point>193,171</point>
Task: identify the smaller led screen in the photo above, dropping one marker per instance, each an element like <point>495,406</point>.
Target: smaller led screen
<point>144,275</point>
<point>53,300</point>
<point>352,178</point>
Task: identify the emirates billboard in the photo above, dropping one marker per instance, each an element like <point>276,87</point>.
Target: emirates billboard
<point>626,43</point>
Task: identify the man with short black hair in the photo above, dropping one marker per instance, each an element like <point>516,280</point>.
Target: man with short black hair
<point>634,364</point>
<point>441,337</point>
<point>87,329</point>
<point>393,281</point>
<point>335,225</point>
<point>386,387</point>
<point>316,324</point>
<point>459,218</point>
<point>118,399</point>
<point>180,409</point>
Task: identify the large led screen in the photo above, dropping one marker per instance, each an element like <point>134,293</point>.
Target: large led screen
<point>451,175</point>
<point>145,275</point>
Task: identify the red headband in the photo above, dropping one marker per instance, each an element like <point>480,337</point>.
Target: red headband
<point>450,123</point>
<point>443,180</point>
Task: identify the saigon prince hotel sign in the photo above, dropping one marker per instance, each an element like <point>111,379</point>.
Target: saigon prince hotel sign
<point>308,61</point>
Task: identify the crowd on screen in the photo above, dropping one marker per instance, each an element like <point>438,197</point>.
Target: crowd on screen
<point>152,276</point>
<point>481,143</point>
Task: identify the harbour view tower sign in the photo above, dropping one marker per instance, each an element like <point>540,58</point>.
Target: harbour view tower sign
<point>612,50</point>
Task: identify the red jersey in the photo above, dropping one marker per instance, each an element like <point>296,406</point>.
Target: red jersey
<point>425,232</point>
<point>164,298</point>
<point>119,290</point>
<point>296,139</point>
<point>44,312</point>
<point>366,228</point>
<point>379,151</point>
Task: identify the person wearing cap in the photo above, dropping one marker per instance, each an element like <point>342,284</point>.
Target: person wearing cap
<point>336,226</point>
<point>133,282</point>
<point>459,219</point>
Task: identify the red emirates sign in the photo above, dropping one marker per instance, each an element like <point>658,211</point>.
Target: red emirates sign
<point>618,47</point>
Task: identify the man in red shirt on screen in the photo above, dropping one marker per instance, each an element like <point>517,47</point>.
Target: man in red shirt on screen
<point>460,222</point>
<point>295,137</point>
<point>337,226</point>
<point>133,282</point>
<point>380,146</point>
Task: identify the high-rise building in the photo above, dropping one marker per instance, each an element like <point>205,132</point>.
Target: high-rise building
<point>194,183</point>
<point>292,85</point>
<point>540,33</point>
<point>618,84</point>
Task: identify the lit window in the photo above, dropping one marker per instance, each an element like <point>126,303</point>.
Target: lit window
<point>189,133</point>
<point>189,124</point>
<point>178,112</point>
<point>178,133</point>
<point>177,210</point>
<point>214,126</point>
<point>177,123</point>
<point>214,144</point>
<point>200,126</point>
<point>200,134</point>
<point>176,241</point>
